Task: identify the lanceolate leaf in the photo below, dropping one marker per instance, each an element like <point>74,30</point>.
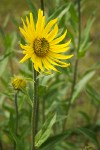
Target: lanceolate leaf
<point>45,132</point>
<point>50,142</point>
<point>32,7</point>
<point>92,92</point>
<point>85,43</point>
<point>81,84</point>
<point>90,135</point>
<point>60,11</point>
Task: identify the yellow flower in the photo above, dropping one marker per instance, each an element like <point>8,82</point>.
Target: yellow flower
<point>18,83</point>
<point>42,44</point>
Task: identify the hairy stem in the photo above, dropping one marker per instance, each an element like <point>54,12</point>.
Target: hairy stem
<point>35,110</point>
<point>16,122</point>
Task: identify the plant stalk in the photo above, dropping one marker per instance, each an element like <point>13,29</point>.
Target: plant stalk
<point>1,147</point>
<point>43,102</point>
<point>42,5</point>
<point>16,122</point>
<point>35,111</point>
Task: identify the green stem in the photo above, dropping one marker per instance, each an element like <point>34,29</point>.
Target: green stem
<point>43,103</point>
<point>42,5</point>
<point>1,147</point>
<point>16,122</point>
<point>76,63</point>
<point>95,118</point>
<point>43,110</point>
<point>11,66</point>
<point>35,111</point>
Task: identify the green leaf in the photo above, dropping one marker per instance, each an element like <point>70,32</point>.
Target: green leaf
<point>41,90</point>
<point>27,97</point>
<point>18,141</point>
<point>86,116</point>
<point>3,65</point>
<point>50,142</point>
<point>45,132</point>
<point>60,11</point>
<point>85,43</point>
<point>32,7</point>
<point>5,55</point>
<point>90,135</point>
<point>81,84</point>
<point>93,93</point>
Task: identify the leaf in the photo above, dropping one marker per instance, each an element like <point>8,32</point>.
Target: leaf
<point>50,142</point>
<point>41,90</point>
<point>73,13</point>
<point>33,9</point>
<point>5,55</point>
<point>60,11</point>
<point>92,92</point>
<point>81,84</point>
<point>84,41</point>
<point>27,97</point>
<point>18,141</point>
<point>86,116</point>
<point>93,67</point>
<point>82,53</point>
<point>3,65</point>
<point>89,134</point>
<point>45,132</point>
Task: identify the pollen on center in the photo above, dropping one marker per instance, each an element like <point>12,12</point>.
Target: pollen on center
<point>41,47</point>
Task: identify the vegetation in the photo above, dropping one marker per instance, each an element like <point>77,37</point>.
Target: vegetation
<point>68,101</point>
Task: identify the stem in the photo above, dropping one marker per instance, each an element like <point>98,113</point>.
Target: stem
<point>16,122</point>
<point>43,110</point>
<point>11,66</point>
<point>76,63</point>
<point>96,114</point>
<point>1,147</point>
<point>42,5</point>
<point>43,103</point>
<point>35,111</point>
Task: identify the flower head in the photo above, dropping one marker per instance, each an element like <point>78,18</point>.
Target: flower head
<point>18,83</point>
<point>42,44</point>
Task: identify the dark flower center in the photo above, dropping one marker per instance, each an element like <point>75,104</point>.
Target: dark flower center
<point>41,47</point>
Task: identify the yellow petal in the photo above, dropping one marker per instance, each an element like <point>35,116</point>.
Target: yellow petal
<point>25,58</point>
<point>60,46</point>
<point>25,27</point>
<point>59,56</point>
<point>48,65</point>
<point>27,21</point>
<point>59,39</point>
<point>32,23</point>
<point>62,63</point>
<point>59,63</point>
<point>33,57</point>
<point>42,25</point>
<point>39,61</point>
<point>49,26</point>
<point>52,62</point>
<point>52,34</point>
<point>27,37</point>
<point>59,50</point>
<point>26,47</point>
<point>34,60</point>
<point>38,24</point>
